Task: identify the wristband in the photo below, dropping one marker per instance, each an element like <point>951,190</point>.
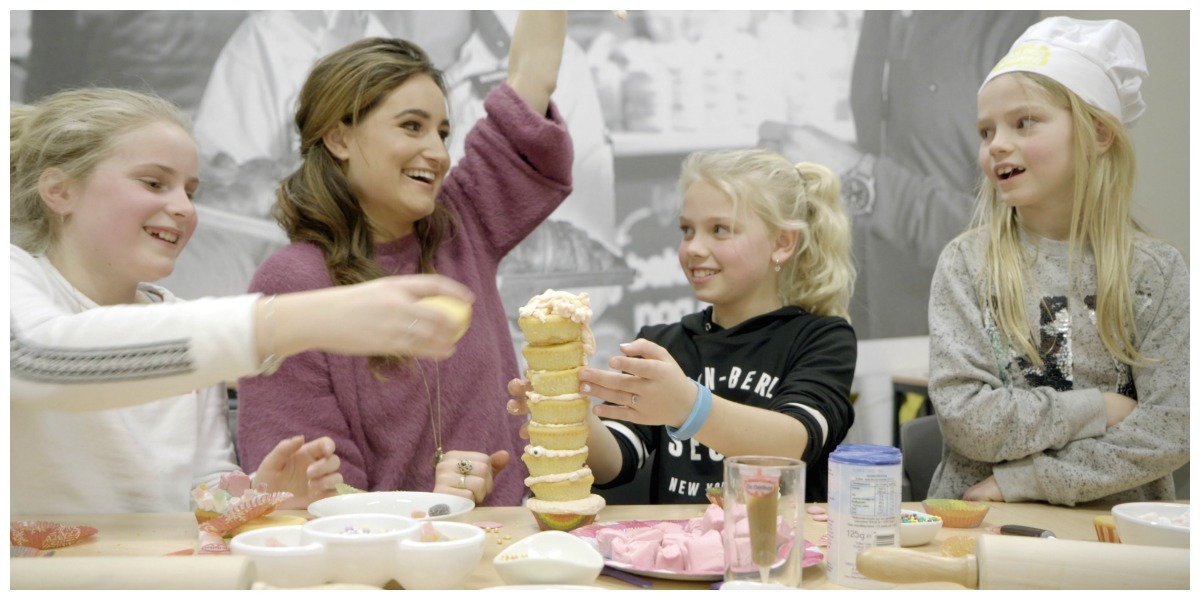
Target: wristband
<point>696,418</point>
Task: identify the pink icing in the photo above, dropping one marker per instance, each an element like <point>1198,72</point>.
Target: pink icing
<point>694,546</point>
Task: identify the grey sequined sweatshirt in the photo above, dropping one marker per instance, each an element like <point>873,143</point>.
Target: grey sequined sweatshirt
<point>1041,431</point>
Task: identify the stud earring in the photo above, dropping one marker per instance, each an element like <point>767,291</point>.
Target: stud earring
<point>778,267</point>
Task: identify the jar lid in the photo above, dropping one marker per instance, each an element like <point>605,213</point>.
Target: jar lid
<point>865,454</point>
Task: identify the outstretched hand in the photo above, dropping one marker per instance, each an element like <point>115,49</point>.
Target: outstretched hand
<point>471,475</point>
<point>309,471</point>
<point>646,387</point>
<point>378,317</point>
<point>518,404</point>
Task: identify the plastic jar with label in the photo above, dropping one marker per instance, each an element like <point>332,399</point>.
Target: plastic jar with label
<point>864,508</point>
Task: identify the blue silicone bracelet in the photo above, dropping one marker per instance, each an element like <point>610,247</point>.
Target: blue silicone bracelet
<point>698,416</point>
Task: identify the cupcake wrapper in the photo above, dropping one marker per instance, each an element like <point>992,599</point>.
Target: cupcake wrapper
<point>553,522</point>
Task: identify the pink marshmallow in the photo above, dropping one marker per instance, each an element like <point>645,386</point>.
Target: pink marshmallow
<point>672,556</point>
<point>639,553</point>
<point>705,552</point>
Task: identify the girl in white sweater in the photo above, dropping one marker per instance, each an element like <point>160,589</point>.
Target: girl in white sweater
<point>117,400</point>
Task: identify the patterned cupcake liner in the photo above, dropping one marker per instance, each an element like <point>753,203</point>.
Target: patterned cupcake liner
<point>244,512</point>
<point>47,535</point>
<point>565,522</point>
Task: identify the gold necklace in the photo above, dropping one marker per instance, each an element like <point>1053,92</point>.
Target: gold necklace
<point>435,423</point>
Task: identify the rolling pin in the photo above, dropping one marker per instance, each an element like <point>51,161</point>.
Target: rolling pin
<point>1012,563</point>
<point>132,573</point>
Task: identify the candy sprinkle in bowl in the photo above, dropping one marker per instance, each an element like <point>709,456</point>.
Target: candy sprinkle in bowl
<point>549,557</point>
<point>961,514</point>
<point>360,548</point>
<point>918,528</point>
<point>280,560</point>
<point>1154,523</point>
<point>423,506</point>
<point>442,557</point>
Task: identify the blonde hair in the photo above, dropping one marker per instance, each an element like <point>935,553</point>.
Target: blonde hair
<point>805,198</point>
<point>1100,218</point>
<point>315,203</point>
<point>72,130</point>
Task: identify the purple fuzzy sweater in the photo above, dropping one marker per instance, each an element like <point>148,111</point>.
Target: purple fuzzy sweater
<point>516,171</point>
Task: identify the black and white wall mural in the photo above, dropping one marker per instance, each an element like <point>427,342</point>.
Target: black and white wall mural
<point>885,98</point>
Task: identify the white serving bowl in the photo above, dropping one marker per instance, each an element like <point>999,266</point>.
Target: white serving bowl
<point>443,565</point>
<point>291,565</point>
<point>402,504</point>
<point>549,557</point>
<point>1136,524</point>
<point>920,533</point>
<point>366,558</point>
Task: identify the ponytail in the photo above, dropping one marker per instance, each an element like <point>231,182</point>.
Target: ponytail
<point>820,275</point>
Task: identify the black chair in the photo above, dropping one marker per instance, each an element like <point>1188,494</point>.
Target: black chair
<point>921,448</point>
<point>1183,482</point>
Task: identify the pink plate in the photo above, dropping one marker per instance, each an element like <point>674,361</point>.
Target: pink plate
<point>812,554</point>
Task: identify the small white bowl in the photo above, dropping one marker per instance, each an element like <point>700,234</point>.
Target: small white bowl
<point>402,504</point>
<point>291,565</point>
<point>357,557</point>
<point>920,533</point>
<point>1136,524</point>
<point>549,557</point>
<point>443,565</point>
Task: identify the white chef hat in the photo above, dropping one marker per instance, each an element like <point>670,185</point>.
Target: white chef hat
<point>1101,61</point>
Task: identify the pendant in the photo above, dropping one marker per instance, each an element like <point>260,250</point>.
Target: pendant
<point>437,457</point>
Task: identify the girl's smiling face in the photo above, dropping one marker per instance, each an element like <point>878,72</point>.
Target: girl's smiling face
<point>396,158</point>
<point>1026,148</point>
<point>128,222</point>
<point>726,256</point>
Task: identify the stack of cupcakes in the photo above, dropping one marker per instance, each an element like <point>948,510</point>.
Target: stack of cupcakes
<point>558,344</point>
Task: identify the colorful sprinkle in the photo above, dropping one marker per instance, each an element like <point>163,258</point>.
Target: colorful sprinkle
<point>363,530</point>
<point>918,518</point>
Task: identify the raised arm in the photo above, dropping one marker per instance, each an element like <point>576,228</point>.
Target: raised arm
<point>115,356</point>
<point>535,56</point>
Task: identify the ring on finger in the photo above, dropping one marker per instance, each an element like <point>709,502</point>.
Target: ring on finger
<point>634,400</point>
<point>462,481</point>
<point>465,467</point>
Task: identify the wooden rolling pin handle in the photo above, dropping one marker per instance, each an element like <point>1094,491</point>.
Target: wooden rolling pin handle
<point>898,565</point>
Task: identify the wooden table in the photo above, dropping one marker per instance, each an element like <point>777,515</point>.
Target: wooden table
<point>164,533</point>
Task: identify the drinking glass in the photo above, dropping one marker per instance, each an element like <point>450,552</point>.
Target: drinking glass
<point>764,530</point>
